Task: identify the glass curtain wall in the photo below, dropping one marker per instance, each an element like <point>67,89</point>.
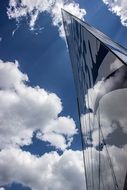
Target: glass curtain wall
<point>100,75</point>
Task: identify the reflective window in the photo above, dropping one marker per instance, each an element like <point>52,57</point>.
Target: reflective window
<point>100,74</point>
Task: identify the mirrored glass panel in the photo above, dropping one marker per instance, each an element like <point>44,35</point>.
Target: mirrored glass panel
<point>100,74</point>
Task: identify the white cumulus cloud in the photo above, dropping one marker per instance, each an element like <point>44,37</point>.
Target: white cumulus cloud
<point>119,7</point>
<point>32,8</point>
<point>26,109</point>
<point>48,172</point>
<point>52,171</point>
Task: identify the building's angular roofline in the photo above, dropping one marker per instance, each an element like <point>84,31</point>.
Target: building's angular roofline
<point>114,47</point>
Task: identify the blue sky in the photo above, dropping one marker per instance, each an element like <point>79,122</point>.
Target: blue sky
<point>42,54</point>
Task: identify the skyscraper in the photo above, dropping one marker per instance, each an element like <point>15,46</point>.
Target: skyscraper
<point>100,73</point>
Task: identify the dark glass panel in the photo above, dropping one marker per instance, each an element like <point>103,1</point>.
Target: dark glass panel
<point>100,74</point>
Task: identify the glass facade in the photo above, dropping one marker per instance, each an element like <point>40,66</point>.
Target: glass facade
<point>100,75</point>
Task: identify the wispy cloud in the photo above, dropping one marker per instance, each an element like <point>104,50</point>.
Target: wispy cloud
<point>119,7</point>
<point>32,9</point>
